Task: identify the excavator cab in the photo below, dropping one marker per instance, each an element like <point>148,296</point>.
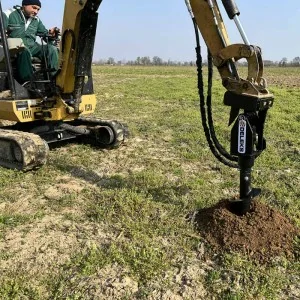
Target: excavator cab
<point>50,109</point>
<point>41,82</point>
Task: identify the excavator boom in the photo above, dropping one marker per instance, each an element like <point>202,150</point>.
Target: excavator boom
<point>207,16</point>
<point>77,43</point>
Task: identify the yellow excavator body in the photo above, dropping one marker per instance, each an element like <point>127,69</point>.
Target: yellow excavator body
<point>27,110</point>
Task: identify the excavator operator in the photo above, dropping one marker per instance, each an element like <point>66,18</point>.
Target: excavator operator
<point>23,22</point>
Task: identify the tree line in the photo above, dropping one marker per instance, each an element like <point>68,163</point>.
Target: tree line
<point>144,61</point>
<point>158,61</point>
<point>295,62</point>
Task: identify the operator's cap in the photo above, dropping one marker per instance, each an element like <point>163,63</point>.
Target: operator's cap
<point>32,2</point>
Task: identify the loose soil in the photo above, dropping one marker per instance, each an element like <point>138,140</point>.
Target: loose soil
<point>289,81</point>
<point>263,233</point>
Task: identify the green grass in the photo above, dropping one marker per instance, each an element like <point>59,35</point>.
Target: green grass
<point>128,218</point>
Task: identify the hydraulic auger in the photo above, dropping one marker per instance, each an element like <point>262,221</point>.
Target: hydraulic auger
<point>249,95</point>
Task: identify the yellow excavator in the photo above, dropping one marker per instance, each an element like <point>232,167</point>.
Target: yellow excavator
<point>50,110</point>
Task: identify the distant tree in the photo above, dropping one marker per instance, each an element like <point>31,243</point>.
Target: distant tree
<point>296,61</point>
<point>110,61</point>
<point>269,63</point>
<point>100,62</point>
<point>283,62</point>
<point>138,60</point>
<point>157,61</point>
<point>170,62</point>
<point>145,60</point>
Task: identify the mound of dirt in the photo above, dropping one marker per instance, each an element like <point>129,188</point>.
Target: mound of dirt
<point>263,233</point>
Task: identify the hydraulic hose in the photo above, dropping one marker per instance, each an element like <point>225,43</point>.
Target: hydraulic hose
<point>220,148</point>
<point>217,150</point>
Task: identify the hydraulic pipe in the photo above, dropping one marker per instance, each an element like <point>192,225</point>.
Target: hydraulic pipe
<point>233,13</point>
<point>241,30</point>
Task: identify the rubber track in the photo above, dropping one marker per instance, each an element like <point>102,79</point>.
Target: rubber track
<point>33,150</point>
<point>120,130</point>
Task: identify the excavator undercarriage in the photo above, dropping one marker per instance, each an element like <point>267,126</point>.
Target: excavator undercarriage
<point>26,146</point>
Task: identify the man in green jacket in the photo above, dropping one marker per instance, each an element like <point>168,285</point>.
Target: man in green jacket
<point>23,22</point>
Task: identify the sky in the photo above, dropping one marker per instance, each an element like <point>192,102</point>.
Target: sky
<point>132,28</point>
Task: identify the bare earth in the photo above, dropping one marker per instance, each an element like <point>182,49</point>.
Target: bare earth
<point>263,233</point>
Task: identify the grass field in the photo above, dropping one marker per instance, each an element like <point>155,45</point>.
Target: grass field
<point>98,224</point>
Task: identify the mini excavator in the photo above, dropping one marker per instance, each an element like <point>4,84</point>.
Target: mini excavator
<point>51,110</point>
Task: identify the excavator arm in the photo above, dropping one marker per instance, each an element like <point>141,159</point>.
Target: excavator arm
<point>210,23</point>
<point>77,46</point>
<point>249,94</point>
